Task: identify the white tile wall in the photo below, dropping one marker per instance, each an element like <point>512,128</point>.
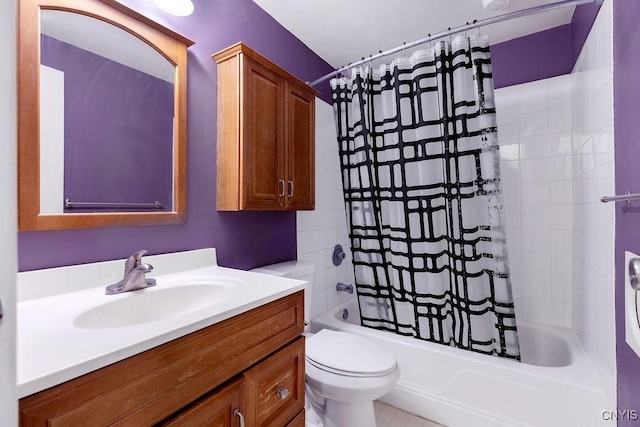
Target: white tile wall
<point>593,175</point>
<point>534,125</point>
<point>557,160</point>
<point>320,230</point>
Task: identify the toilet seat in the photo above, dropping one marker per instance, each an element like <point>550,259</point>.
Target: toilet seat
<point>349,373</point>
<point>349,355</point>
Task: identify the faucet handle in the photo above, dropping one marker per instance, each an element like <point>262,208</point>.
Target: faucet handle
<point>343,287</point>
<point>144,268</point>
<point>133,261</point>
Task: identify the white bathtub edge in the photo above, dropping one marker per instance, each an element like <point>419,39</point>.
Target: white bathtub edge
<point>444,411</point>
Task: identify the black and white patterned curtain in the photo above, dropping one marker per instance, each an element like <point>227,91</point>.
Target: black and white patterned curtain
<point>420,170</point>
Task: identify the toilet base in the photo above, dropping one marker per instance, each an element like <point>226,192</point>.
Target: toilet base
<point>359,414</point>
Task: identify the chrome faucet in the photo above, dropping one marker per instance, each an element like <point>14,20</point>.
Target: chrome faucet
<point>342,287</point>
<point>134,276</point>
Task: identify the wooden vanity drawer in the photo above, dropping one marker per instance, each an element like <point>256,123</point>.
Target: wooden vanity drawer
<point>215,410</point>
<point>274,389</point>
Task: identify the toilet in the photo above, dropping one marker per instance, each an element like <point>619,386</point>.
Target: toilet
<point>345,372</point>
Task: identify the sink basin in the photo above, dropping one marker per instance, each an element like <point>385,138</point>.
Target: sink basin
<point>154,304</point>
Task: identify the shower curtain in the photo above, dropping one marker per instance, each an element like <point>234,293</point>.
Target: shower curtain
<point>420,170</point>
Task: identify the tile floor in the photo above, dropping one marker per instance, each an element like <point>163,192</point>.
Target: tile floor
<point>389,416</point>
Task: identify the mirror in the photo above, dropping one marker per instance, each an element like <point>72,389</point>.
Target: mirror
<point>102,117</point>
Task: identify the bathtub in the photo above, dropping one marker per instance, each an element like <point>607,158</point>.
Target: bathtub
<point>554,385</point>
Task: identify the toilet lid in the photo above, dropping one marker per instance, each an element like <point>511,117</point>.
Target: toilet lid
<point>348,354</point>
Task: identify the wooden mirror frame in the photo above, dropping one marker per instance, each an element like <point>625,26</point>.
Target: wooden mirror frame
<point>169,44</point>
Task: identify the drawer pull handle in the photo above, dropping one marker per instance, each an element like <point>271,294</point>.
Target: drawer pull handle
<point>290,188</point>
<point>282,392</point>
<point>238,414</point>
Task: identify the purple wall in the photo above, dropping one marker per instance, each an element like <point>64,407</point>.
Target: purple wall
<point>545,54</point>
<point>626,92</point>
<point>533,57</point>
<point>118,129</point>
<point>243,239</point>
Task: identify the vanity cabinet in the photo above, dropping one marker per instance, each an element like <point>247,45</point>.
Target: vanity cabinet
<point>250,365</point>
<point>266,134</point>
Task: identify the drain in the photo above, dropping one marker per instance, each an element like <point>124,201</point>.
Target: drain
<point>345,314</point>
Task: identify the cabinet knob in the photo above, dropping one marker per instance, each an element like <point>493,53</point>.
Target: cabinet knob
<point>282,392</point>
<point>281,182</point>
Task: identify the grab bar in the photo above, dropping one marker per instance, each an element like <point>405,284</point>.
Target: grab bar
<point>70,205</point>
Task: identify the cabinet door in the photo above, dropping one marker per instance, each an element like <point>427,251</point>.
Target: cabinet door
<point>263,169</point>
<point>274,389</point>
<point>215,410</point>
<point>300,122</point>
<point>298,420</point>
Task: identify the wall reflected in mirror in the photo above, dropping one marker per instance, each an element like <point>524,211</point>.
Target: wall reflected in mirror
<point>106,119</point>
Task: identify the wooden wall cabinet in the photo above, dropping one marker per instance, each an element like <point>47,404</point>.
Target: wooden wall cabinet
<point>266,134</point>
<point>250,365</point>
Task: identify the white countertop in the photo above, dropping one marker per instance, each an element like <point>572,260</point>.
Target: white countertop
<point>51,349</point>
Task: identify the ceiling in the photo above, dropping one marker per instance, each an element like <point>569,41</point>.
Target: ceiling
<point>342,31</point>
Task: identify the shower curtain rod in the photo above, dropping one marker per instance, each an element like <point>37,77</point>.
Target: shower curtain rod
<point>462,28</point>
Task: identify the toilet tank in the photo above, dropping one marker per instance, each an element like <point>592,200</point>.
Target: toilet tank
<point>300,270</point>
